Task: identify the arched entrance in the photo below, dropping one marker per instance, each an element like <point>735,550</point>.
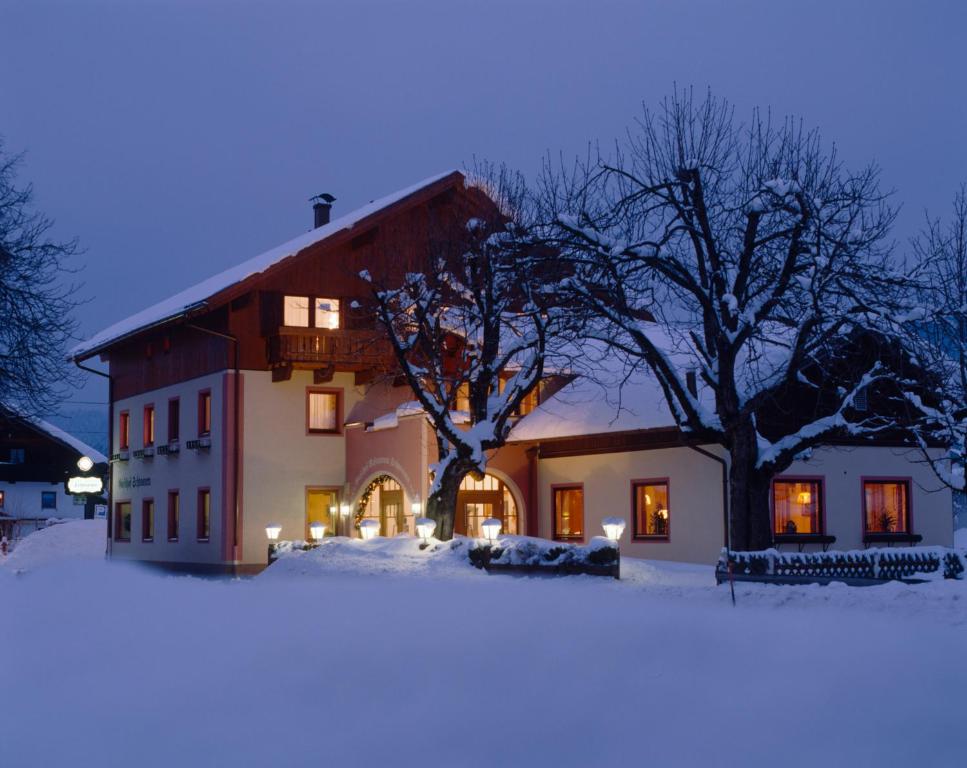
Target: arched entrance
<point>479,499</point>
<point>383,500</point>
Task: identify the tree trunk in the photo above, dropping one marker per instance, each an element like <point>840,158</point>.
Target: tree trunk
<point>748,495</point>
<point>442,505</point>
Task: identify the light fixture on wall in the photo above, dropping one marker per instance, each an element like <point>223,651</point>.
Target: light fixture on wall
<point>613,528</point>
<point>368,529</point>
<point>491,529</point>
<point>416,507</point>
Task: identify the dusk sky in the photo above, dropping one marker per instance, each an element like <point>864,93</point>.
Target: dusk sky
<point>176,139</point>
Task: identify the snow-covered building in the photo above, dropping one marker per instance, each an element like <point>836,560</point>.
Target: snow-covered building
<point>36,460</point>
<point>259,396</point>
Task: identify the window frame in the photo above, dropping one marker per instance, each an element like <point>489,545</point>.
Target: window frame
<point>148,410</point>
<point>883,479</point>
<point>203,395</point>
<point>555,487</point>
<point>173,493</point>
<point>46,494</point>
<point>124,430</point>
<point>309,312</point>
<point>635,535</point>
<point>821,480</point>
<point>147,502</point>
<point>204,491</point>
<point>3,497</point>
<point>339,410</point>
<point>176,401</point>
<point>117,520</point>
<point>313,321</point>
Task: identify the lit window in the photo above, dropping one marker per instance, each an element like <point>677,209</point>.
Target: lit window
<point>204,413</point>
<point>796,506</point>
<point>2,498</point>
<point>296,311</point>
<point>886,506</point>
<point>48,499</point>
<point>569,512</point>
<point>323,412</point>
<point>174,419</point>
<point>174,504</point>
<point>204,514</point>
<point>651,510</point>
<point>122,521</point>
<point>462,400</point>
<point>327,313</point>
<point>124,430</point>
<point>147,520</point>
<point>148,425</point>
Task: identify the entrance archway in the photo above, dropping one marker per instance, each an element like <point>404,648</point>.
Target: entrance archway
<point>479,499</point>
<point>383,500</point>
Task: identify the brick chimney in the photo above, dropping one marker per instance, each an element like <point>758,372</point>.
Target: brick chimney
<point>321,209</point>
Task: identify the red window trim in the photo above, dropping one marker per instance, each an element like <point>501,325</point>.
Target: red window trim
<point>635,536</point>
<point>117,520</point>
<point>563,487</point>
<point>154,521</point>
<point>908,480</point>
<point>124,430</point>
<point>821,479</point>
<point>177,422</point>
<point>339,410</point>
<point>201,412</point>
<point>198,518</point>
<point>148,408</point>
<point>173,493</point>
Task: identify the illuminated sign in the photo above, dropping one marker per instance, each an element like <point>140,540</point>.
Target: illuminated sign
<point>85,485</point>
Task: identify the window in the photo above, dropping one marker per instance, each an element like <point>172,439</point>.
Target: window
<point>327,313</point>
<point>148,425</point>
<point>295,311</point>
<point>204,514</point>
<point>174,510</point>
<point>568,503</point>
<point>122,521</point>
<point>174,419</point>
<point>17,455</point>
<point>650,509</point>
<point>462,400</point>
<point>886,506</point>
<point>147,520</point>
<point>322,411</point>
<point>797,506</point>
<point>124,430</point>
<point>2,498</point>
<point>48,499</point>
<point>204,412</point>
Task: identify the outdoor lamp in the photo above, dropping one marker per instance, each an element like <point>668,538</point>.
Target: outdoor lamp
<point>613,528</point>
<point>490,528</point>
<point>345,509</point>
<point>317,530</point>
<point>368,529</point>
<point>425,528</point>
<point>272,530</point>
<point>84,463</point>
<point>416,507</point>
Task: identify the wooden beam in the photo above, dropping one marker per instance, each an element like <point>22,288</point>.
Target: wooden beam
<point>323,375</point>
<point>282,373</point>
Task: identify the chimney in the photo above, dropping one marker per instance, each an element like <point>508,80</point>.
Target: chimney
<point>321,208</point>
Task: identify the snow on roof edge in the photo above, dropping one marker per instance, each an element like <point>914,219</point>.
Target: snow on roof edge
<point>196,295</point>
<point>57,434</point>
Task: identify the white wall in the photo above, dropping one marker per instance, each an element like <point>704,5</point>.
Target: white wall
<point>22,499</point>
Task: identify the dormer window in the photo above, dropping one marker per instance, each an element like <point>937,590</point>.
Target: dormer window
<point>310,312</point>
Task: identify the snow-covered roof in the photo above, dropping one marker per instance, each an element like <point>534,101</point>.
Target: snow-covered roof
<point>56,433</point>
<point>196,295</point>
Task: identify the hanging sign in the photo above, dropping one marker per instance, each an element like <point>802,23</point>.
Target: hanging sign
<point>85,485</point>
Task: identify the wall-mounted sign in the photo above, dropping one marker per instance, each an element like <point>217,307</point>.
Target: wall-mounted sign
<point>85,485</point>
<point>134,482</point>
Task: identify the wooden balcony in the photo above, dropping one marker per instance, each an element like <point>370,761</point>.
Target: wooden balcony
<point>323,349</point>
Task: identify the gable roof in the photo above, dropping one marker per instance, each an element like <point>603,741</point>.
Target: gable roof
<point>195,297</point>
<point>54,433</point>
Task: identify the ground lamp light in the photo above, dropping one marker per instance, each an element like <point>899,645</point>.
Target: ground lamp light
<point>613,528</point>
<point>272,531</point>
<point>317,530</point>
<point>491,528</point>
<point>424,529</point>
<point>368,529</point>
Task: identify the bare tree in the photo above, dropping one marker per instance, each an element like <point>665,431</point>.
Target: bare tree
<point>471,334</point>
<point>940,342</point>
<point>36,304</point>
<point>764,263</point>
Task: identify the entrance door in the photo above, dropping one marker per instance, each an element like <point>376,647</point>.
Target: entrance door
<point>318,502</point>
<point>391,518</point>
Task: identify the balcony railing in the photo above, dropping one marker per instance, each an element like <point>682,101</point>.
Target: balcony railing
<point>352,350</point>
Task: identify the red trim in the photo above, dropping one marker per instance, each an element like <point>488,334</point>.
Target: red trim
<point>634,512</point>
<point>532,515</point>
<point>174,434</point>
<point>124,430</point>
<point>339,415</point>
<point>228,466</point>
<point>907,480</point>
<point>203,428</point>
<point>564,487</point>
<point>198,517</point>
<point>821,479</point>
<point>173,493</point>
<point>148,425</point>
<point>154,522</point>
<point>117,520</point>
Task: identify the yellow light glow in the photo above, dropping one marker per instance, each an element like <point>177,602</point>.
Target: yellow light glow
<point>804,497</point>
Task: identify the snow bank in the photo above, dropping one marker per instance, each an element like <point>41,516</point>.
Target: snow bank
<point>77,539</point>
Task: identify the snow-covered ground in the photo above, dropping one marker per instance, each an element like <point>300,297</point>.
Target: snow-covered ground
<point>73,539</point>
<point>377,653</point>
